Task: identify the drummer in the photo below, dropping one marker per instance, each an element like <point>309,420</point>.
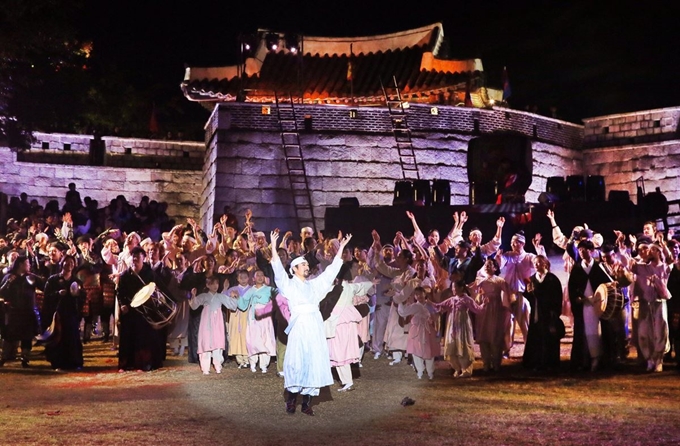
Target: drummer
<point>614,329</point>
<point>142,347</point>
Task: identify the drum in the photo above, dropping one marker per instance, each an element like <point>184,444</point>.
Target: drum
<point>607,300</point>
<point>157,308</point>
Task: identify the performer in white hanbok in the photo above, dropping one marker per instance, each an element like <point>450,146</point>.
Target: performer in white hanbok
<point>651,289</point>
<point>307,364</point>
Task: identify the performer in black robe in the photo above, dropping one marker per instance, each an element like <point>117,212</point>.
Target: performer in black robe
<point>544,293</point>
<point>141,346</point>
<point>579,281</point>
<point>21,314</point>
<point>66,350</point>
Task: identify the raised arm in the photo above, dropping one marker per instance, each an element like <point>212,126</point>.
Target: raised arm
<point>558,237</point>
<point>418,235</point>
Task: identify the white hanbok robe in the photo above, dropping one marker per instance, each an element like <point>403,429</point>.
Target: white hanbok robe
<point>307,365</point>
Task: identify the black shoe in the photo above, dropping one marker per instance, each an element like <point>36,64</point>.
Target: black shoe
<point>2,362</point>
<point>307,405</point>
<point>24,363</point>
<point>291,402</point>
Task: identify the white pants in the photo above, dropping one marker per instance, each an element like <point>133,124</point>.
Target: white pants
<point>397,355</point>
<point>424,364</point>
<point>217,360</point>
<point>264,361</point>
<point>380,317</point>
<point>591,322</point>
<point>345,374</point>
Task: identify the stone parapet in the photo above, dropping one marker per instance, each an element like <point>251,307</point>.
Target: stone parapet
<point>180,189</point>
<point>632,128</point>
<point>421,118</point>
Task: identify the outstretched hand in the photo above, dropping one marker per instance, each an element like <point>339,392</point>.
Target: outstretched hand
<point>343,243</point>
<point>274,236</point>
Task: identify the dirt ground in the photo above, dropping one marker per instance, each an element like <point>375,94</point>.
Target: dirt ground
<point>178,405</point>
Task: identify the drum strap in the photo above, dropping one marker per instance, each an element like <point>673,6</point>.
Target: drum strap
<point>606,272</point>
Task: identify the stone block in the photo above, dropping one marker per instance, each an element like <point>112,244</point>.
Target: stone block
<point>331,140</point>
<point>255,167</point>
<point>273,182</point>
<point>226,195</point>
<point>160,176</point>
<point>228,166</point>
<point>276,196</point>
<point>248,196</point>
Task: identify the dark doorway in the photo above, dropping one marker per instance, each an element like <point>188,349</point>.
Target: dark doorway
<point>500,168</point>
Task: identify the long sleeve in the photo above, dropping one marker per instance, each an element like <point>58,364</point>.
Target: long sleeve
<point>244,301</point>
<point>229,302</point>
<point>201,299</point>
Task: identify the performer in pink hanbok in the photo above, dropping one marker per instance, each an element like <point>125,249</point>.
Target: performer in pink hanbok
<point>211,339</point>
<point>422,342</point>
<point>342,328</point>
<point>260,340</point>
<point>491,322</point>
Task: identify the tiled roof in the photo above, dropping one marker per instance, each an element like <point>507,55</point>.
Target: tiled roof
<point>336,76</point>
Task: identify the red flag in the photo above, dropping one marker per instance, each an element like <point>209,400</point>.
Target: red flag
<point>468,97</point>
<point>507,91</point>
<point>153,121</point>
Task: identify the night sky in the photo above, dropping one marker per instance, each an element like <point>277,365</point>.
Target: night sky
<point>585,59</point>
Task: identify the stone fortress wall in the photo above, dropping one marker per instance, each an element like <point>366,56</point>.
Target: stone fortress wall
<point>243,165</point>
<point>47,180</point>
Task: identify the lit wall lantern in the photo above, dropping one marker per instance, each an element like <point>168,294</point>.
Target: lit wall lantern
<point>353,114</point>
<point>434,111</point>
<point>266,110</point>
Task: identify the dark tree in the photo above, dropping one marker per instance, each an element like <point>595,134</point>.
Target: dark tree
<point>43,68</point>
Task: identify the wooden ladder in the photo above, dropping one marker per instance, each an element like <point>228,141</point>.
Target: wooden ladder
<point>292,151</point>
<point>401,130</point>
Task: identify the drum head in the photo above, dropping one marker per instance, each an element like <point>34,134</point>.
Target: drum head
<point>600,299</point>
<point>143,295</point>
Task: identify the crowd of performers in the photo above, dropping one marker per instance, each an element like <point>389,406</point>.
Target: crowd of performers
<point>317,304</point>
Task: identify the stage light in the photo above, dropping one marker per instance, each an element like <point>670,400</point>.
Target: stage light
<point>272,41</point>
<point>292,42</point>
<point>248,44</point>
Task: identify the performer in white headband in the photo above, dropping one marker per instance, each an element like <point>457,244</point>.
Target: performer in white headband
<point>295,262</point>
<point>307,364</point>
